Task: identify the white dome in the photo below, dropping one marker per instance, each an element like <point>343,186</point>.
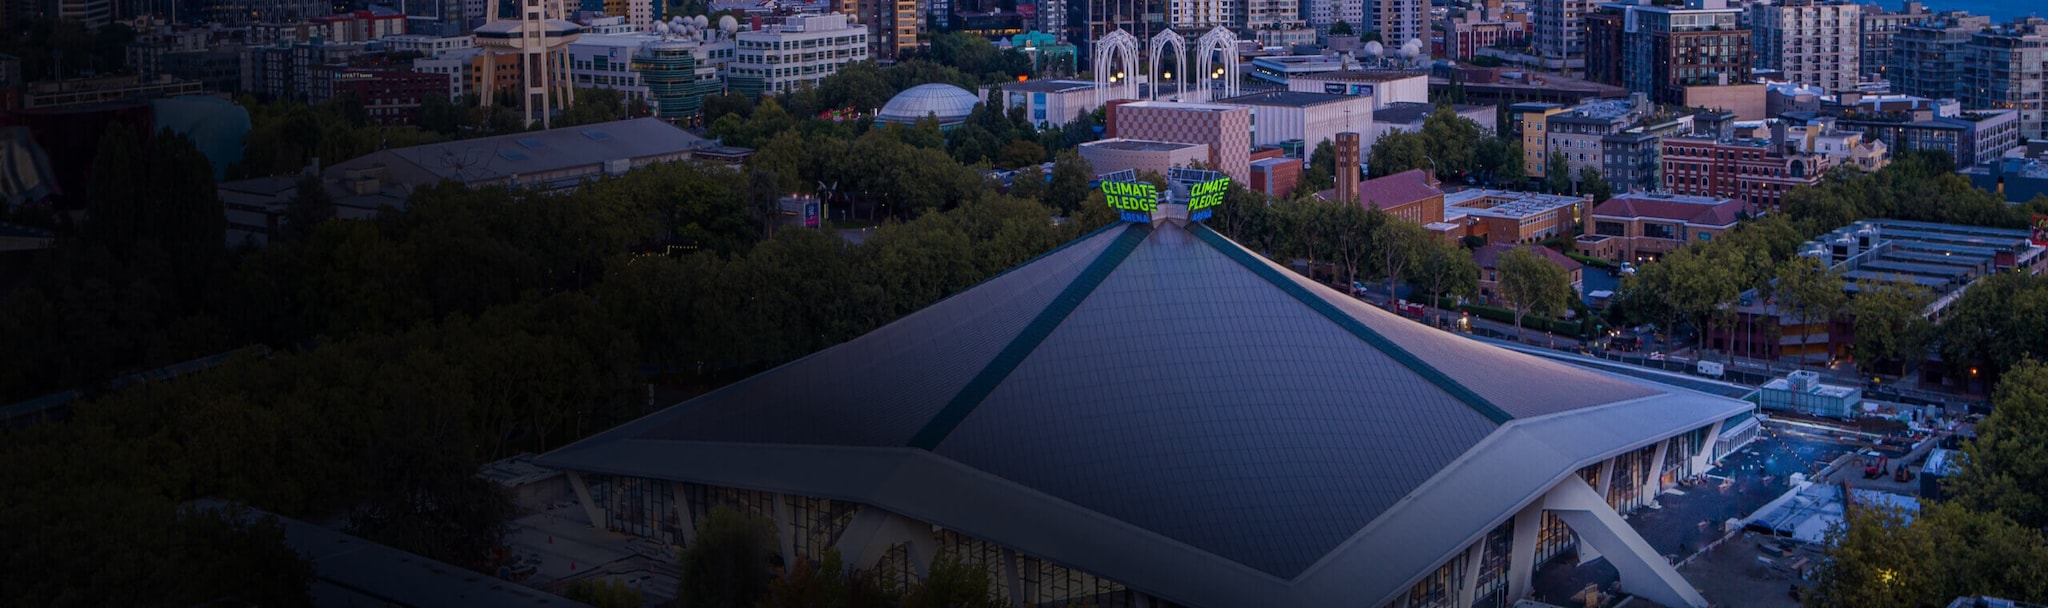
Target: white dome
<point>949,103</point>
<point>1375,49</point>
<point>728,24</point>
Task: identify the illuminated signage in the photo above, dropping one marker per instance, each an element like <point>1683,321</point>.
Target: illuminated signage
<point>1204,195</point>
<point>1137,200</point>
<point>2041,230</point>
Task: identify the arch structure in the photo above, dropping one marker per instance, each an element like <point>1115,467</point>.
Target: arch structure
<point>1116,52</point>
<point>1167,37</point>
<point>1221,41</point>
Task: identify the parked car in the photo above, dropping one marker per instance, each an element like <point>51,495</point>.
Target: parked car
<point>1357,288</point>
<point>1628,268</point>
<point>1412,309</point>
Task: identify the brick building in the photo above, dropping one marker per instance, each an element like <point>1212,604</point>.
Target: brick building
<point>1749,170</point>
<point>1488,259</point>
<point>390,97</point>
<point>1643,227</point>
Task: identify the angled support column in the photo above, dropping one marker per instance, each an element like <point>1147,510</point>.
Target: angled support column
<point>583,497</point>
<point>1468,591</point>
<point>1011,580</point>
<point>785,530</point>
<point>873,531</point>
<point>1644,572</point>
<point>1653,475</point>
<point>1522,558</point>
<point>685,517</point>
<point>1704,458</point>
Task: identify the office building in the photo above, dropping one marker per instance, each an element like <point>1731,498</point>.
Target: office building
<point>1578,133</point>
<point>1753,171</point>
<point>1810,41</point>
<point>1306,119</point>
<point>1200,15</point>
<point>799,53</point>
<point>2004,68</point>
<point>1051,103</point>
<point>1385,87</point>
<point>1484,25</point>
<point>1508,216</point>
<point>1970,138</point>
<point>1277,22</point>
<point>1879,28</point>
<point>1927,55</point>
<point>1530,120</point>
<point>954,431</point>
<point>1661,51</point>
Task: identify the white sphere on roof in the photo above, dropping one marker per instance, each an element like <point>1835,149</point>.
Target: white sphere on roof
<point>728,24</point>
<point>702,21</point>
<point>1375,49</point>
<point>949,103</point>
<point>1411,49</point>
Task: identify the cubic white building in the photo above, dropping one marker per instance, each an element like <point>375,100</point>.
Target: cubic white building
<point>800,52</point>
<point>455,64</point>
<point>1810,42</point>
<point>1309,118</point>
<point>428,46</point>
<point>1050,103</point>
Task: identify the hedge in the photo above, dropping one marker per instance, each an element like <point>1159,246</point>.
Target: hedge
<point>1592,261</point>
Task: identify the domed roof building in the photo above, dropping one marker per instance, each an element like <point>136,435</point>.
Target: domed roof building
<point>949,103</point>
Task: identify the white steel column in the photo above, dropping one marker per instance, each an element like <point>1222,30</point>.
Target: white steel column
<point>685,518</point>
<point>873,531</point>
<point>1653,478</point>
<point>1522,559</point>
<point>1704,458</point>
<point>785,529</point>
<point>1468,587</point>
<point>1011,580</point>
<point>583,496</point>
<point>1644,572</point>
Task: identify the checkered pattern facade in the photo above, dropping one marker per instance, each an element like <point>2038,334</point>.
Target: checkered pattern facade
<point>1227,131</point>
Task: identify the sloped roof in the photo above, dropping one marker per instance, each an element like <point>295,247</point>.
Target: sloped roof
<point>1488,256</point>
<point>538,152</point>
<point>1692,210</point>
<point>1397,189</point>
<point>1162,407</point>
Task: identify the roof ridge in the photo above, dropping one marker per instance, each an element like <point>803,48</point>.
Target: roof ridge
<point>1028,340</point>
<point>1357,328</point>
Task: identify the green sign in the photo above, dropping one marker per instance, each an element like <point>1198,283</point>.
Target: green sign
<point>1140,197</point>
<point>1207,194</point>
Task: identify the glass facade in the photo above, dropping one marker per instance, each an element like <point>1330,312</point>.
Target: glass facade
<point>1043,583</point>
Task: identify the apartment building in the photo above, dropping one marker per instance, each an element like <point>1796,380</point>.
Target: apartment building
<point>1754,171</point>
<point>1398,21</point>
<point>2003,69</point>
<point>1927,55</point>
<point>1559,33</point>
<point>1879,27</point>
<point>1661,50</point>
<point>1642,227</point>
<point>1810,41</point>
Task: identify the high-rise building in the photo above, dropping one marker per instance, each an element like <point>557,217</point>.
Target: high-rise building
<point>1879,26</point>
<point>1199,15</point>
<point>1484,25</point>
<point>1320,14</point>
<point>2003,69</point>
<point>1659,50</point>
<point>1276,22</point>
<point>1927,56</point>
<point>1810,42</point>
<point>1399,21</point>
<point>91,13</point>
<point>1560,34</point>
<point>1142,18</point>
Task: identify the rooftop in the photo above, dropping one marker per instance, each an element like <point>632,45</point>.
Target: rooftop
<point>1397,189</point>
<point>1489,256</point>
<point>1047,86</point>
<point>1138,145</point>
<point>1503,203</point>
<point>1701,210</point>
<point>537,152</point>
<point>1370,75</point>
<point>1179,105</point>
<point>1301,448</point>
<point>1293,99</point>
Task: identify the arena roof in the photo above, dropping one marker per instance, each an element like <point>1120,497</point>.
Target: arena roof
<point>1162,407</point>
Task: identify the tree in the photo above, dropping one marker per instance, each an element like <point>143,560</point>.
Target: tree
<point>828,583</point>
<point>2001,319</point>
<point>1878,558</point>
<point>728,566</point>
<point>310,205</point>
<point>1498,160</point>
<point>954,583</point>
<point>1811,289</point>
<point>1532,283</point>
<point>1396,152</point>
<point>1322,168</point>
<point>1888,323</point>
<point>1341,28</point>
<point>1069,186</point>
<point>1592,183</point>
<point>2006,467</point>
<point>115,208</point>
<point>1020,154</point>
<point>1397,245</point>
<point>1451,141</point>
<point>1557,173</point>
<point>1444,268</point>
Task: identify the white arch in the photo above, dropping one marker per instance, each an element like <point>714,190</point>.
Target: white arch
<point>1116,51</point>
<point>1219,40</point>
<point>1160,41</point>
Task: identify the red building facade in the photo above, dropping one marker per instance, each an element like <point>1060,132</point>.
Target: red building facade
<point>1751,171</point>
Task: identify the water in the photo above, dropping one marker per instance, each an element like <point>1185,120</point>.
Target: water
<point>1999,10</point>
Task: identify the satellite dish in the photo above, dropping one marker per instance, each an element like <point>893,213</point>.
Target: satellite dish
<point>1375,50</point>
<point>702,21</point>
<point>661,28</point>
<point>728,24</point>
